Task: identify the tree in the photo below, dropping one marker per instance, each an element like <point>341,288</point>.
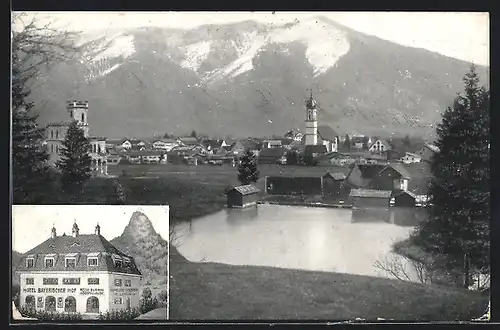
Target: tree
<point>407,141</point>
<point>347,142</point>
<point>35,47</point>
<point>193,133</point>
<point>366,139</point>
<point>247,170</point>
<point>75,159</point>
<point>457,228</point>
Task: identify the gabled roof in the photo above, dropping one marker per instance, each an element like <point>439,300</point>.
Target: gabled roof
<point>338,176</point>
<point>370,193</point>
<point>399,168</point>
<point>327,133</point>
<point>409,193</point>
<point>80,246</point>
<point>166,140</point>
<point>411,154</point>
<point>189,140</point>
<point>432,147</point>
<point>214,144</point>
<point>382,142</point>
<point>246,189</point>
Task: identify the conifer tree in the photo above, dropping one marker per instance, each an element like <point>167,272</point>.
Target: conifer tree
<point>458,226</point>
<point>29,156</point>
<point>247,170</point>
<point>75,159</point>
<point>407,141</point>
<point>347,142</point>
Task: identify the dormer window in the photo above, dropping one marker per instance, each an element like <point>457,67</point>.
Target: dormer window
<point>50,261</point>
<point>70,260</point>
<point>30,262</point>
<point>93,259</point>
<point>117,260</point>
<point>126,261</point>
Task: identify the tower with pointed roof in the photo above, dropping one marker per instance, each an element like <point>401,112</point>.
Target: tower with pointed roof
<point>311,132</point>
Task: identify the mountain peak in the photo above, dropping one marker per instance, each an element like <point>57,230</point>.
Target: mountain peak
<point>139,226</point>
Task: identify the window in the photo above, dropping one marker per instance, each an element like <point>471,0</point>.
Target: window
<point>70,262</point>
<point>71,281</point>
<point>83,117</point>
<point>30,281</point>
<point>92,261</point>
<point>51,281</point>
<point>128,282</point>
<point>52,148</point>
<point>57,134</point>
<point>93,281</point>
<point>30,262</point>
<point>49,262</point>
<point>51,134</point>
<point>118,282</point>
<point>118,301</point>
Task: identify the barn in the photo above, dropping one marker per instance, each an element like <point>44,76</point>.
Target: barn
<point>369,198</point>
<point>404,199</point>
<point>334,186</point>
<point>242,196</point>
<point>281,185</point>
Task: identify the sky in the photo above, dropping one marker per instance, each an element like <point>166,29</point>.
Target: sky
<point>460,35</point>
<point>32,224</point>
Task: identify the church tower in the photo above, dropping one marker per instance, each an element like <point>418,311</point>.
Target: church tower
<point>311,133</point>
<point>78,110</point>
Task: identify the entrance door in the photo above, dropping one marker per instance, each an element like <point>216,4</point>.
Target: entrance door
<point>93,305</point>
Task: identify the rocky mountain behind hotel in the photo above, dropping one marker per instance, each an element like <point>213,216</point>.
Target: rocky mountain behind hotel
<point>16,259</point>
<point>251,79</point>
<point>140,240</point>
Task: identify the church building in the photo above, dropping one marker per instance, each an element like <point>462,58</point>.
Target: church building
<point>78,274</point>
<point>318,135</point>
<point>56,133</point>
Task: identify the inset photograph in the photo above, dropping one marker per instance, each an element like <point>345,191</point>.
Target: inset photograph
<point>89,262</point>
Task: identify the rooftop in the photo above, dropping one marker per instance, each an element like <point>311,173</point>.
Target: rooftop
<point>370,193</point>
<point>246,189</point>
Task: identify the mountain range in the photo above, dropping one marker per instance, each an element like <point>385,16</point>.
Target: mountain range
<point>251,79</point>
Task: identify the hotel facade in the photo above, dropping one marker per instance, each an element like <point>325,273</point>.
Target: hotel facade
<point>78,274</point>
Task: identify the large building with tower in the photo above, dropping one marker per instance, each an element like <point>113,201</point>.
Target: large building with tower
<point>318,135</point>
<point>56,133</point>
<point>78,274</point>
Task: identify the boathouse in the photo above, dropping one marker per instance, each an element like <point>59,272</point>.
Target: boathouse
<point>334,186</point>
<point>370,198</point>
<point>242,196</point>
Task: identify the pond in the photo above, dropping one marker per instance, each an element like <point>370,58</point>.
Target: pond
<point>308,238</point>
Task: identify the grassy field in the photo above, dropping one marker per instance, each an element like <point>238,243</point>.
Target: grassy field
<point>216,291</point>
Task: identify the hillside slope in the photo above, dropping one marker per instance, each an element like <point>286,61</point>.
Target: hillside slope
<point>247,78</point>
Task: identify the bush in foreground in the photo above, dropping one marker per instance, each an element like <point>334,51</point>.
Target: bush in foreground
<point>49,316</point>
<point>122,314</point>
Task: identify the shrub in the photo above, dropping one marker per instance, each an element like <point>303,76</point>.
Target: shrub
<point>122,314</point>
<point>49,316</point>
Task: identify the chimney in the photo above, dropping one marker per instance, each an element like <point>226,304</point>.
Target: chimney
<point>98,230</point>
<point>53,233</point>
<point>75,230</point>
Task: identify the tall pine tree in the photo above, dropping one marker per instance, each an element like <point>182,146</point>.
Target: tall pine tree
<point>247,170</point>
<point>75,162</point>
<point>458,227</point>
<point>29,156</point>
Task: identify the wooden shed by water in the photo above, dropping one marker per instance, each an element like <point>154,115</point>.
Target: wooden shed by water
<point>370,198</point>
<point>242,196</point>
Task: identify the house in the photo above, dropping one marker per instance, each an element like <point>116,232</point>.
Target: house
<point>294,135</point>
<point>189,141</point>
<point>78,273</point>
<point>410,158</point>
<point>380,146</point>
<point>334,186</point>
<point>419,184</point>
<point>147,157</point>
<point>242,196</point>
<point>328,137</point>
<point>165,144</point>
<point>390,177</point>
<point>214,146</point>
<point>287,143</point>
<point>315,150</point>
<point>358,141</point>
<point>272,156</point>
<point>271,143</point>
<point>427,152</point>
<point>369,198</point>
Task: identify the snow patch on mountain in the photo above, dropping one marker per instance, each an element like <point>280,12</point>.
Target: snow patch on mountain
<point>325,45</point>
<point>196,54</point>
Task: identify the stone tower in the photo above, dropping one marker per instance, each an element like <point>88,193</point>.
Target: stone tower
<point>78,110</point>
<point>311,133</point>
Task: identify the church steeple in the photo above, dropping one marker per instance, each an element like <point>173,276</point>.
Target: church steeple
<point>75,231</point>
<point>311,121</point>
<point>53,233</point>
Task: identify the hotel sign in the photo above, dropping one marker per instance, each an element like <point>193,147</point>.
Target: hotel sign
<point>83,291</point>
<point>125,291</point>
<point>91,291</point>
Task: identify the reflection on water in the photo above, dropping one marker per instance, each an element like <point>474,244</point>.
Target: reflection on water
<point>324,239</point>
<point>400,216</point>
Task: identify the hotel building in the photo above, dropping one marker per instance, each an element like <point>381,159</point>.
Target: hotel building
<point>78,274</point>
